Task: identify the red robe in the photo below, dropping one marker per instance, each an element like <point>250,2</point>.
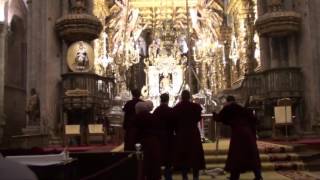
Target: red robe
<point>188,147</point>
<point>243,153</point>
<point>148,134</point>
<point>165,115</point>
<point>130,129</point>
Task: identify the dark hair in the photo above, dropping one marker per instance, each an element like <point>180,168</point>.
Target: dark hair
<point>185,95</point>
<point>136,93</point>
<point>230,99</point>
<point>164,98</point>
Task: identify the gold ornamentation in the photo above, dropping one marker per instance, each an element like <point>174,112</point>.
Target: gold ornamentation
<point>77,92</point>
<point>80,57</point>
<point>101,11</point>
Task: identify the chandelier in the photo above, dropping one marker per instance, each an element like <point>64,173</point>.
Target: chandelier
<point>205,21</point>
<point>126,29</point>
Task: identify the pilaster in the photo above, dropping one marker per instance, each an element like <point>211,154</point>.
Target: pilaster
<point>3,33</point>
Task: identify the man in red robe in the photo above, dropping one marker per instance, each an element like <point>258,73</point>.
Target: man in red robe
<point>148,134</point>
<point>188,150</point>
<point>128,125</point>
<point>166,121</point>
<point>243,153</point>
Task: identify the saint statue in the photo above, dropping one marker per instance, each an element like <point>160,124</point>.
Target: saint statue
<point>154,49</point>
<point>81,59</point>
<point>33,108</point>
<point>165,84</point>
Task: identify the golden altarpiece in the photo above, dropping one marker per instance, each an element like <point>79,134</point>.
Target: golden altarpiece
<point>210,47</point>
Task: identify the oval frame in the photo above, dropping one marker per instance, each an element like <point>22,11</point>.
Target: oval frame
<point>80,57</point>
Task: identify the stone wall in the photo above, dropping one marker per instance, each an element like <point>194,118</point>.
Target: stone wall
<point>15,68</point>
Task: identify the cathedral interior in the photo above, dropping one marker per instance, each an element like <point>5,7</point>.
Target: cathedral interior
<point>68,64</point>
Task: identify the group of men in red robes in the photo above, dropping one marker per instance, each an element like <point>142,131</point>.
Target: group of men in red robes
<point>169,136</point>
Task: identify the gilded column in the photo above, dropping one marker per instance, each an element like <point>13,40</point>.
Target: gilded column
<point>249,16</point>
<point>226,41</point>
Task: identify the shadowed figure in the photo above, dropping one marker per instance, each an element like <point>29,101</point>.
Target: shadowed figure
<point>189,152</point>
<point>243,153</point>
<point>148,134</point>
<point>165,115</point>
<point>128,122</point>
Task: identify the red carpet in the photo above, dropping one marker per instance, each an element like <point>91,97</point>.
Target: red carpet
<point>297,175</point>
<point>306,141</point>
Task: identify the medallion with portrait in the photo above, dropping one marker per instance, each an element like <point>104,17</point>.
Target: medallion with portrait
<point>80,57</point>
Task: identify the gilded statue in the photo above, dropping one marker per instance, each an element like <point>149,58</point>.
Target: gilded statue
<point>154,49</point>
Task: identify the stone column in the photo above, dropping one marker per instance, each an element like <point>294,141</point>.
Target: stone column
<point>292,54</point>
<point>44,60</point>
<point>264,53</point>
<point>34,53</point>
<point>264,42</point>
<point>3,33</point>
<point>274,61</point>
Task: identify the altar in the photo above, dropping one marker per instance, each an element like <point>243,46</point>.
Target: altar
<point>164,75</point>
